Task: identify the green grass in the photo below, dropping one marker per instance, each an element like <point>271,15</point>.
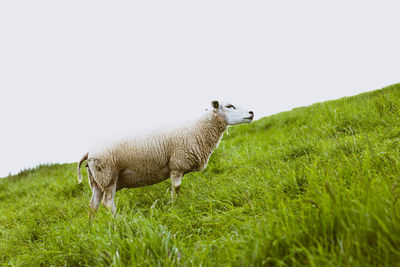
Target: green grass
<point>317,186</point>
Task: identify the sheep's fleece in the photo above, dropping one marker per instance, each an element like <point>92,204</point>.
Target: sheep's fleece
<point>142,161</point>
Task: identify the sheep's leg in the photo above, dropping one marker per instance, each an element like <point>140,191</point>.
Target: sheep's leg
<point>109,195</point>
<point>97,195</point>
<point>176,179</point>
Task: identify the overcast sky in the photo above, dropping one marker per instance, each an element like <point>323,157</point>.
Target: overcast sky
<point>74,72</point>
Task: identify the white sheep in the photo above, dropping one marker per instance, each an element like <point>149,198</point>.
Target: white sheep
<point>136,162</point>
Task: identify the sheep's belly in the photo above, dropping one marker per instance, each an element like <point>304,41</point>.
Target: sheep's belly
<point>129,178</point>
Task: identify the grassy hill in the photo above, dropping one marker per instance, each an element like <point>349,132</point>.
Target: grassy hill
<point>318,186</point>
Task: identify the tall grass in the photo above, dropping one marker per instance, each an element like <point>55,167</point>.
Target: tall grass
<point>317,186</point>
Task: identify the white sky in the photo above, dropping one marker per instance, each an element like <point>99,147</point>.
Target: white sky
<point>74,72</point>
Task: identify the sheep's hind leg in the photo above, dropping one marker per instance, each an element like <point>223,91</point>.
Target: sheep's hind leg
<point>97,195</point>
<point>176,179</point>
<point>109,195</point>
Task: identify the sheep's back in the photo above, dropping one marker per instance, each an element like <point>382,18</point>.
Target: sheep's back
<point>142,154</point>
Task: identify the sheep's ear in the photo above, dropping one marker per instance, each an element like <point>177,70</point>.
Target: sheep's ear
<point>215,104</point>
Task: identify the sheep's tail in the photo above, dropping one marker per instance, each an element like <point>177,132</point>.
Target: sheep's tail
<point>85,157</point>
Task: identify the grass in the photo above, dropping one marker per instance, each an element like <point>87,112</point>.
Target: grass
<point>316,186</point>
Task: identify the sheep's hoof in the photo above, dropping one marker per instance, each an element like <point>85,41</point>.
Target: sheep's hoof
<point>92,214</point>
<point>177,188</point>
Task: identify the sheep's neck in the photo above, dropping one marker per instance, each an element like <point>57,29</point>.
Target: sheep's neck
<point>210,129</point>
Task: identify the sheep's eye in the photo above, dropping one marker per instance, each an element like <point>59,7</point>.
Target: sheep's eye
<point>230,106</point>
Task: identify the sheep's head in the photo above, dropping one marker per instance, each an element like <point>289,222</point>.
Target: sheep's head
<point>232,113</point>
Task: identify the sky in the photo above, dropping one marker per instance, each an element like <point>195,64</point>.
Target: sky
<point>75,72</point>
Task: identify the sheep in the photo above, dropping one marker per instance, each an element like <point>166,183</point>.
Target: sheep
<point>136,162</point>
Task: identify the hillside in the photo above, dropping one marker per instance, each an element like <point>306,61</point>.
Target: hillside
<point>317,186</point>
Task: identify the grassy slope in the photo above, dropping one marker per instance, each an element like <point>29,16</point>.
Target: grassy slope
<point>317,185</point>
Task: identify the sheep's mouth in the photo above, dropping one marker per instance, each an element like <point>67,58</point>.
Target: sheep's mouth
<point>249,118</point>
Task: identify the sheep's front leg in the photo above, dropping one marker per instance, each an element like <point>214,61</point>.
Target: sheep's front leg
<point>176,179</point>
